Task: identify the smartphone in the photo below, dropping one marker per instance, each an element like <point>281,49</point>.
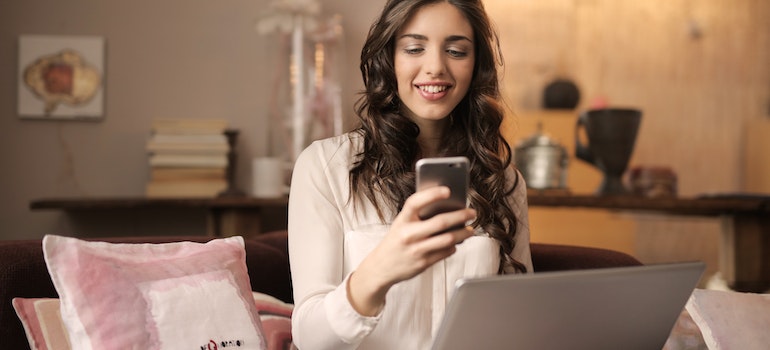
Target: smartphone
<point>451,172</point>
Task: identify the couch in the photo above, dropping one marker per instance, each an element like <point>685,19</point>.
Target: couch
<point>23,271</point>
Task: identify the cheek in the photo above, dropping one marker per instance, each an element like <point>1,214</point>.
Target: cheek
<point>463,76</point>
<point>404,74</point>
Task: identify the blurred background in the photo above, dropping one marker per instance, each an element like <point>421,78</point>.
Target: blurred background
<point>698,70</point>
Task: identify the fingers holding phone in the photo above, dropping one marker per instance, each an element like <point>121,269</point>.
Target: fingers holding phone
<point>451,172</point>
<point>414,227</point>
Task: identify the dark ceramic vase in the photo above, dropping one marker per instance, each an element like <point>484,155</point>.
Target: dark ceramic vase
<point>611,135</point>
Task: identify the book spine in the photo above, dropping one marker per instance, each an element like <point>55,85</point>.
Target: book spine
<point>186,148</point>
<point>188,160</point>
<point>186,173</point>
<point>189,126</point>
<point>219,139</point>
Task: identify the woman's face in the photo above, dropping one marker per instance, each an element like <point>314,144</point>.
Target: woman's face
<point>434,61</point>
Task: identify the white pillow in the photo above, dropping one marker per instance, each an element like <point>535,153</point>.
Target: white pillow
<point>731,320</point>
<point>181,295</point>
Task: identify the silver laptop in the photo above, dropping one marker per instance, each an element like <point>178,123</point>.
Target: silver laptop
<point>614,308</point>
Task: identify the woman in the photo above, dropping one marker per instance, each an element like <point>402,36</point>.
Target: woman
<point>367,272</point>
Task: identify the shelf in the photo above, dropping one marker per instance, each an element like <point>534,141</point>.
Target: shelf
<point>86,203</point>
<point>699,206</point>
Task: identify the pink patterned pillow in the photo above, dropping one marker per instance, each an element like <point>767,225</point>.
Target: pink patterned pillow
<point>45,330</point>
<point>181,295</point>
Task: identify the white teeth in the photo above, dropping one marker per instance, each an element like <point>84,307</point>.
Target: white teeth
<point>433,88</point>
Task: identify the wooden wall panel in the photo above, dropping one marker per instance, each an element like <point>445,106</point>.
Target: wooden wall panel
<point>756,170</point>
<point>699,70</point>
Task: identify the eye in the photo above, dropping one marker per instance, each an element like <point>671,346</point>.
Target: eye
<point>413,50</point>
<point>456,53</point>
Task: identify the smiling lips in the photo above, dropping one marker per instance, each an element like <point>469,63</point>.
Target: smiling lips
<point>433,92</point>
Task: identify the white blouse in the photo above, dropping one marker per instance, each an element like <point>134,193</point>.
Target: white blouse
<point>328,238</point>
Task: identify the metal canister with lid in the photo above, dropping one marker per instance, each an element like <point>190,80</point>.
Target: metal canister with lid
<point>542,161</point>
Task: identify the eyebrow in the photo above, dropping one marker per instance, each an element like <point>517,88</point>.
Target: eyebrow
<point>451,38</point>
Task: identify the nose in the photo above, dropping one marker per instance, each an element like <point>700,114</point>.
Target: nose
<point>434,64</point>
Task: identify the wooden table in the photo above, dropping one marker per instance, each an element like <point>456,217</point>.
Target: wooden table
<point>744,256</point>
<point>745,248</point>
<point>225,215</point>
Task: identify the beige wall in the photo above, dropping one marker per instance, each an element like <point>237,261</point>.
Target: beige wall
<point>202,58</point>
<point>171,58</point>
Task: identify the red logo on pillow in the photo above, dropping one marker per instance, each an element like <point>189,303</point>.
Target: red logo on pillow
<point>212,345</point>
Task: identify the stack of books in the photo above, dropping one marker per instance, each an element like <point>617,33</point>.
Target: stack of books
<point>187,158</point>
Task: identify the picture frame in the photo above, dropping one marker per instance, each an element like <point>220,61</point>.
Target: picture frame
<point>61,77</point>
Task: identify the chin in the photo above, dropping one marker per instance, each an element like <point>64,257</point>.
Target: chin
<point>433,117</point>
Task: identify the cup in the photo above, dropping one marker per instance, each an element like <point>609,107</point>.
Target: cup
<point>267,177</point>
<point>611,135</point>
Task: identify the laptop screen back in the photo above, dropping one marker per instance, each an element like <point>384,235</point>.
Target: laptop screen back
<point>615,308</point>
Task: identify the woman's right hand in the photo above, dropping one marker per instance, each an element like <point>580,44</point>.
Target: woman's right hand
<point>409,248</point>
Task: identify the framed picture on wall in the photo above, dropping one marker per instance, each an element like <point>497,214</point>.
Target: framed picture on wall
<point>61,77</point>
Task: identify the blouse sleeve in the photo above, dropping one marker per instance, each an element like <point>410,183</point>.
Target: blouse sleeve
<point>323,317</point>
<point>521,251</point>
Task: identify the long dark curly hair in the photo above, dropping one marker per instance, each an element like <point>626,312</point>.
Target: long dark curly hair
<point>385,167</point>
